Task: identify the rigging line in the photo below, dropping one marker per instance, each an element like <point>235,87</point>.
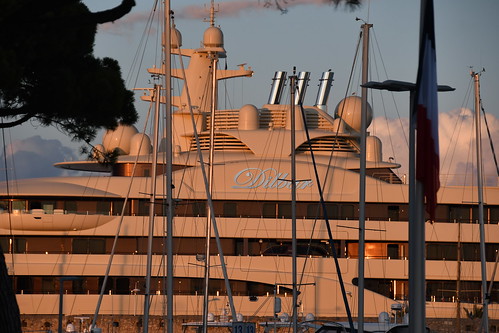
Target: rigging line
<point>340,113</point>
<point>326,220</point>
<point>386,117</point>
<point>456,130</point>
<point>392,94</point>
<point>139,56</point>
<point>120,223</point>
<point>181,62</point>
<point>260,307</point>
<point>336,131</point>
<point>489,136</point>
<point>209,199</point>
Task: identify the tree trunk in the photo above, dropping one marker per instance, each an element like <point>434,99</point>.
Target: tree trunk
<point>10,318</point>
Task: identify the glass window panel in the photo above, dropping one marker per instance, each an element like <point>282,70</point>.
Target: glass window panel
<point>199,208</point>
<point>393,213</point>
<point>4,244</point>
<point>80,246</point>
<point>24,284</point>
<point>313,211</point>
<point>122,286</point>
<point>19,245</point>
<point>4,206</point>
<point>284,210</point>
<point>144,207</point>
<point>459,214</point>
<point>97,246</point>
<point>70,207</point>
<point>48,285</point>
<point>494,214</point>
<point>393,251</point>
<point>347,212</point>
<point>19,205</point>
<point>109,284</point>
<point>103,207</point>
<point>79,286</point>
<point>118,207</point>
<point>332,211</point>
<point>86,207</point>
<point>268,209</point>
<point>230,209</point>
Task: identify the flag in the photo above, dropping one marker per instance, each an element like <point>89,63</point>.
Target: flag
<point>427,149</point>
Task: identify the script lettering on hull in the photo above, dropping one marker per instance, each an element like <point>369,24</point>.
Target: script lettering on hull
<point>268,178</point>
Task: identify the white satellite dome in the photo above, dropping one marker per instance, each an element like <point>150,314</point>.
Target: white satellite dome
<point>119,139</point>
<point>349,109</point>
<point>374,149</point>
<point>175,39</point>
<point>213,37</point>
<point>248,117</point>
<point>140,144</point>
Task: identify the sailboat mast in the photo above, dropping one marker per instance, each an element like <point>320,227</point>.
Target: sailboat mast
<point>211,157</point>
<point>293,203</point>
<point>169,169</point>
<point>152,204</point>
<point>458,280</point>
<point>485,298</point>
<point>362,182</point>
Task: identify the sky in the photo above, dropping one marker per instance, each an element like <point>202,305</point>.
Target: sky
<point>313,36</point>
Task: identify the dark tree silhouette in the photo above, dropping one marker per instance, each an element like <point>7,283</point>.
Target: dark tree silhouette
<point>48,72</point>
<point>9,311</point>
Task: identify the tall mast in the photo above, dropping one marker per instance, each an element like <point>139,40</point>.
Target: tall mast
<point>152,204</point>
<point>213,106</point>
<point>362,182</point>
<point>293,203</point>
<point>169,169</point>
<point>485,298</point>
<point>458,281</point>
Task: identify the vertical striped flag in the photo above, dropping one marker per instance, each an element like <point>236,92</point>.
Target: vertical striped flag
<point>427,150</point>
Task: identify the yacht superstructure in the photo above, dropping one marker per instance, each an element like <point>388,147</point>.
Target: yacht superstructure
<point>55,228</point>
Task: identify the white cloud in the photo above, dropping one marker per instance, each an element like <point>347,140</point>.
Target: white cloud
<point>34,157</point>
<point>457,145</point>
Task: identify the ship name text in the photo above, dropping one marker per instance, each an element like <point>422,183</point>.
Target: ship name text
<point>266,178</point>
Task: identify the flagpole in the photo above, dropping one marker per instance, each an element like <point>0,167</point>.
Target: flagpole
<point>483,264</point>
<point>417,274</point>
<point>417,290</point>
<point>424,165</point>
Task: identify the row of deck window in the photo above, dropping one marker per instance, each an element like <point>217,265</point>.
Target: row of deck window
<point>134,285</point>
<point>249,209</point>
<point>436,290</point>
<point>241,247</point>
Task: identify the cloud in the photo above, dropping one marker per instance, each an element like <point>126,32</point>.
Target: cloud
<point>34,157</point>
<point>196,12</point>
<point>457,145</point>
<point>127,23</point>
<point>235,8</point>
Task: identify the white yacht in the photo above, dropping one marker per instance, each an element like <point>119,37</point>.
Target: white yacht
<point>57,233</point>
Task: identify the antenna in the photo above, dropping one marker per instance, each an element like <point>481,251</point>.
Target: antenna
<point>212,13</point>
